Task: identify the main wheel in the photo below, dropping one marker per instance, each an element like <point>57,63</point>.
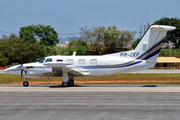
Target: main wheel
<point>64,84</point>
<point>25,83</point>
<point>71,83</point>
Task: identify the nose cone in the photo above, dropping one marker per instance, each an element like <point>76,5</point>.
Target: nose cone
<point>5,70</point>
<point>12,70</point>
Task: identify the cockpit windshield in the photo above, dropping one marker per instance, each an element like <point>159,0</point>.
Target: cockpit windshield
<point>42,60</point>
<point>49,60</point>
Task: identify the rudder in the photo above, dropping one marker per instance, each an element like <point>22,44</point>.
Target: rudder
<point>150,45</point>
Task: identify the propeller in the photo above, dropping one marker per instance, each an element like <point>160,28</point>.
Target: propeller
<point>21,67</point>
<point>21,73</point>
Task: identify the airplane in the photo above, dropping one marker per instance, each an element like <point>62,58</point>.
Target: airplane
<point>144,56</point>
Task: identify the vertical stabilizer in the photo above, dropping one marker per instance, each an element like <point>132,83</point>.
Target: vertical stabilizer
<point>150,44</point>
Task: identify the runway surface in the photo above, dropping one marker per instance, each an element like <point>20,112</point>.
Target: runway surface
<point>1,71</point>
<point>89,103</point>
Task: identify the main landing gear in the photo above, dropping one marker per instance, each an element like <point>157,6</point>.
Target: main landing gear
<point>25,83</point>
<point>69,83</point>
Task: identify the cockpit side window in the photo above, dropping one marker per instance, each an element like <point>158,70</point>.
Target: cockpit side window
<point>42,60</point>
<point>49,60</point>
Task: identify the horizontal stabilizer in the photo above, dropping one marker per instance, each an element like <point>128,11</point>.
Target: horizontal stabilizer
<point>162,27</point>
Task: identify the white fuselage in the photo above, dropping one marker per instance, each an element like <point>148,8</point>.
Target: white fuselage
<point>96,65</point>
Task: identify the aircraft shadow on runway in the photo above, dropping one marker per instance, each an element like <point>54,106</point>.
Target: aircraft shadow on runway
<point>60,86</point>
<point>149,86</point>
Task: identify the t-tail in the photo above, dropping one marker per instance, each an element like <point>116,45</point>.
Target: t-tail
<point>149,46</point>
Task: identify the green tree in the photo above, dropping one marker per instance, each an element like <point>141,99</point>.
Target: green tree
<point>79,46</point>
<point>124,38</point>
<point>115,39</point>
<point>10,37</point>
<point>106,39</point>
<point>29,52</point>
<point>111,38</point>
<point>20,51</point>
<point>3,60</point>
<point>173,36</point>
<point>135,43</point>
<point>94,37</point>
<point>46,34</point>
<point>56,50</point>
<point>97,41</point>
<point>13,37</point>
<point>28,33</point>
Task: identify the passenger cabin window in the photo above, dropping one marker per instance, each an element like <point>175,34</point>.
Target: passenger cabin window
<point>49,60</point>
<point>42,60</point>
<point>59,60</point>
<point>81,61</point>
<point>69,60</point>
<point>93,61</point>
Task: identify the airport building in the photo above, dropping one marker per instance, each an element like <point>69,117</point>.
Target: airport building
<point>168,62</point>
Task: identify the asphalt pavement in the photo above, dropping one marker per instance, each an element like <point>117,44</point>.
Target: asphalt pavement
<point>1,71</point>
<point>89,103</point>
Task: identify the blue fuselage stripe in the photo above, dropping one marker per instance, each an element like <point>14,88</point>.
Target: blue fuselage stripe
<point>111,66</point>
<point>151,55</point>
<point>150,50</point>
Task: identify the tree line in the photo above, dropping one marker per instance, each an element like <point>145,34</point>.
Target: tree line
<point>37,41</point>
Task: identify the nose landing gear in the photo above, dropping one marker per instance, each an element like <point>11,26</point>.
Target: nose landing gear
<point>25,83</point>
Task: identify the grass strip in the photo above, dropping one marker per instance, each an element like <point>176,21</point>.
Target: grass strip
<point>128,78</point>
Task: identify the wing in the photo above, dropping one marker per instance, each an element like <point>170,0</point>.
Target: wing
<point>79,70</point>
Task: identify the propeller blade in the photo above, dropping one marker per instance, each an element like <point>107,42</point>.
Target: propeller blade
<point>21,73</point>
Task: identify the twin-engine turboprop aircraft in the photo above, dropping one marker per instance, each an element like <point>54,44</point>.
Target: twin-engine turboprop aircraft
<point>144,56</point>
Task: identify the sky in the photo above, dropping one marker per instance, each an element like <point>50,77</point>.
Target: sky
<point>67,16</point>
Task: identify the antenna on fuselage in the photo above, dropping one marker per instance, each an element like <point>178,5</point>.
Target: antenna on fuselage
<point>74,53</point>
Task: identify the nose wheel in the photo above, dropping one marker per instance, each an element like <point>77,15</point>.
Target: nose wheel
<point>25,83</point>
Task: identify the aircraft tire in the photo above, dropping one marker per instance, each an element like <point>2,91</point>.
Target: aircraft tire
<point>25,83</point>
<point>71,83</point>
<point>65,84</point>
